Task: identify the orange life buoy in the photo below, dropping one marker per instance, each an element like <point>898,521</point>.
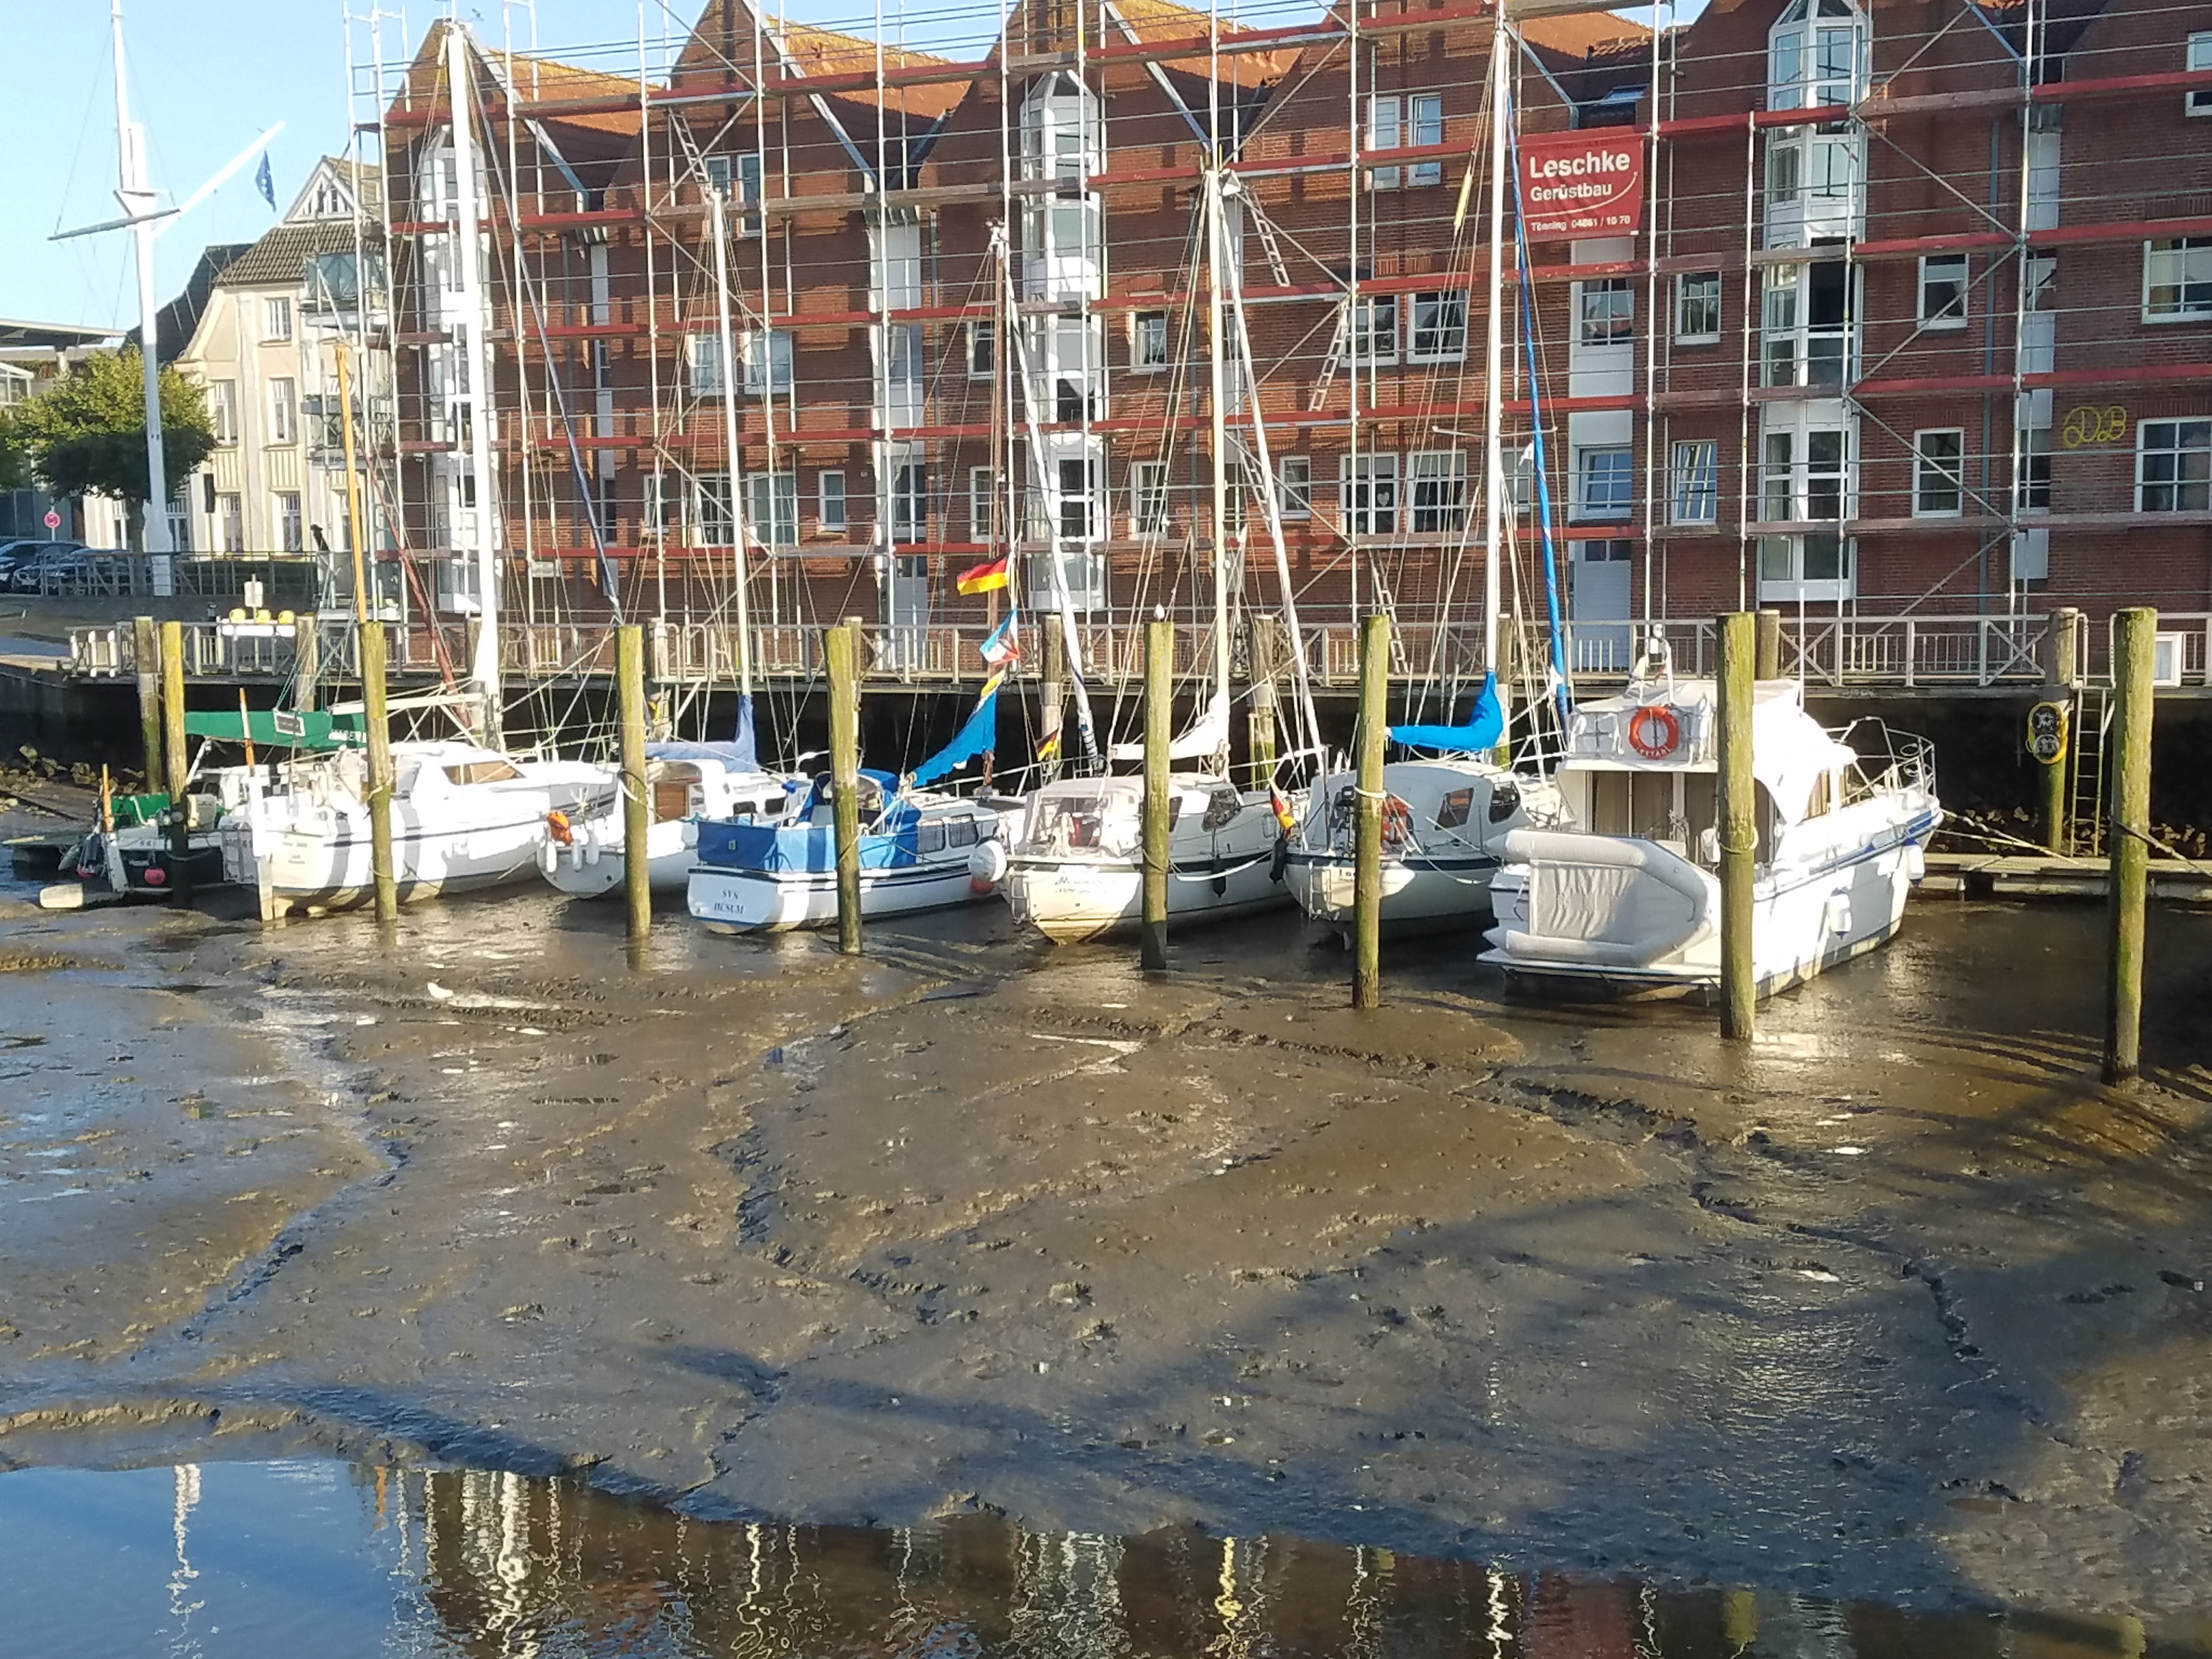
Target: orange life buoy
<point>1653,732</point>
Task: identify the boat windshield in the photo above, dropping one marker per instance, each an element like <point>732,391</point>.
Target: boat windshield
<point>1104,822</point>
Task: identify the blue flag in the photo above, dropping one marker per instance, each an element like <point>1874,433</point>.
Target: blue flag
<point>266,182</point>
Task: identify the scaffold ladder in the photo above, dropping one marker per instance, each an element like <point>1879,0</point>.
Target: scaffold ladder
<point>2085,786</point>
<point>1332,358</point>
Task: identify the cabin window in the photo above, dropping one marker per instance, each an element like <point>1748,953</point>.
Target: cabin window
<point>482,771</point>
<point>1455,809</point>
<point>1504,799</point>
<point>1822,799</point>
<point>929,838</point>
<point>961,832</point>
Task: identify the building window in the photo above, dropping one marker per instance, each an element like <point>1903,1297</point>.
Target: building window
<point>1805,482</point>
<point>230,515</point>
<point>1938,473</point>
<point>2177,279</point>
<point>277,320</point>
<point>1815,56</point>
<point>909,501</point>
<point>767,353</point>
<point>1698,308</point>
<point>1294,486</point>
<point>1943,291</point>
<point>2198,101</point>
<point>829,493</point>
<point>1148,340</point>
<point>982,503</point>
<point>1148,498</point>
<point>1439,327</point>
<point>703,357</point>
<point>1375,330</point>
<point>1808,325</point>
<point>1697,481</point>
<point>283,412</point>
<point>1369,487</point>
<point>745,171</point>
<point>289,537</point>
<point>1606,482</point>
<point>1396,122</point>
<point>772,508</point>
<point>1607,309</point>
<point>1439,491</point>
<point>2173,466</point>
<point>222,409</point>
<point>2035,468</point>
<point>983,350</point>
<point>710,510</point>
<point>1078,479</point>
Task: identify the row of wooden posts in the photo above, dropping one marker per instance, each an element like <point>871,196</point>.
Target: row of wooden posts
<point>1750,650</point>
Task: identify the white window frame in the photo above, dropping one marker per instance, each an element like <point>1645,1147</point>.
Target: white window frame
<point>1935,481</point>
<point>1148,498</point>
<point>1367,495</point>
<point>1446,335</point>
<point>1294,486</point>
<point>222,411</point>
<point>1940,271</point>
<point>2031,492</point>
<point>714,521</point>
<point>1370,329</point>
<point>230,520</point>
<point>702,364</point>
<point>1615,318</point>
<point>276,318</point>
<point>1144,359</point>
<point>772,498</point>
<point>1586,510</point>
<point>2196,58</point>
<point>911,501</point>
<point>1405,121</point>
<point>283,411</point>
<point>2190,266</point>
<point>291,521</point>
<point>982,504</point>
<point>2185,437</point>
<point>1696,481</point>
<point>767,369</point>
<point>1684,300</point>
<point>831,506</point>
<point>982,346</point>
<point>1440,476</point>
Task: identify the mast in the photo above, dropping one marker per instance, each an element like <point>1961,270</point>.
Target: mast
<point>1220,432</point>
<point>730,442</point>
<point>475,365</point>
<point>136,198</point>
<point>1493,351</point>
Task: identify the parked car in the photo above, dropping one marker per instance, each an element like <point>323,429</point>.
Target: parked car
<point>62,567</point>
<point>16,554</point>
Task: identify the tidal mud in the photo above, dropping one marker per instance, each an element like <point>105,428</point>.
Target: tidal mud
<point>1896,1305</point>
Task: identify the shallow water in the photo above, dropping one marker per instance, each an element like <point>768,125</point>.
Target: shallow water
<point>243,1560</point>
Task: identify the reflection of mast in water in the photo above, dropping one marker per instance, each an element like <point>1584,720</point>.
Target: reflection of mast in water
<point>1367,1602</point>
<point>1501,1618</point>
<point>186,1479</point>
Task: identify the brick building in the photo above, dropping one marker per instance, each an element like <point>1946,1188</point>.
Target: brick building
<point>1916,323</point>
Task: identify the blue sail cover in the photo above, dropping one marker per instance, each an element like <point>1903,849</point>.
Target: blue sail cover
<point>1485,725</point>
<point>726,844</point>
<point>978,736</point>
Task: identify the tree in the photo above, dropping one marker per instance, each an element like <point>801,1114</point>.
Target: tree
<point>15,465</point>
<point>86,433</point>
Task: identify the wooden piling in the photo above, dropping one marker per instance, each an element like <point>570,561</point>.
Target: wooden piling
<point>146,661</point>
<point>1261,722</point>
<point>1054,693</point>
<point>306,660</point>
<point>1769,666</point>
<point>376,714</point>
<point>1739,824</point>
<point>1367,869</point>
<point>1159,688</point>
<point>842,648</point>
<point>2134,644</point>
<point>174,765</point>
<point>2057,813</point>
<point>637,815</point>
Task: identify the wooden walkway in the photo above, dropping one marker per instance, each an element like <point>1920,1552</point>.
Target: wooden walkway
<point>2044,875</point>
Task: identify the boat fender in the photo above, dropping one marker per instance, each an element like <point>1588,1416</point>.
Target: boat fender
<point>591,852</point>
<point>1281,862</point>
<point>1220,882</point>
<point>1916,862</point>
<point>987,866</point>
<point>549,857</point>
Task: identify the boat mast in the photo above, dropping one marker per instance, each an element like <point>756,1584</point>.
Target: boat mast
<point>475,366</point>
<point>1215,161</point>
<point>725,345</point>
<point>1494,354</point>
<point>136,198</point>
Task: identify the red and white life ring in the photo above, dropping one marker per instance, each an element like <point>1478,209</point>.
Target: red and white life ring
<point>1654,732</point>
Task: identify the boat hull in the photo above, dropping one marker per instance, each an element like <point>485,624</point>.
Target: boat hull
<point>765,901</point>
<point>1072,901</point>
<point>1419,894</point>
<point>593,868</point>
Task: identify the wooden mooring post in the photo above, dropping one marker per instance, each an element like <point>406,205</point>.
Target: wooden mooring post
<point>2134,645</point>
<point>1367,867</point>
<point>1769,666</point>
<point>1739,658</point>
<point>174,765</point>
<point>1261,722</point>
<point>1159,691</point>
<point>376,714</point>
<point>146,663</point>
<point>637,813</point>
<point>1054,693</point>
<point>841,650</point>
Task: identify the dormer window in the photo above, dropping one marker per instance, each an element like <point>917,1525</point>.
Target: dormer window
<point>1816,56</point>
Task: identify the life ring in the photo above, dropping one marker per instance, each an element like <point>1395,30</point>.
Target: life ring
<point>1654,732</point>
<point>1397,821</point>
<point>557,822</point>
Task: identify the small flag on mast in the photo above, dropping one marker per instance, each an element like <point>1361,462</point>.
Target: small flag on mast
<point>1003,644</point>
<point>1049,749</point>
<point>266,182</point>
<point>983,578</point>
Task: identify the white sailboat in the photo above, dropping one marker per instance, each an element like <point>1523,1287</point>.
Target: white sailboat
<point>1628,899</point>
<point>684,784</point>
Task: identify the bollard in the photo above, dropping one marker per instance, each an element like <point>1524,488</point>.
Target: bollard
<point>637,817</point>
<point>1159,692</point>
<point>146,661</point>
<point>1367,871</point>
<point>843,648</point>
<point>1260,724</point>
<point>1769,646</point>
<point>173,764</point>
<point>2134,644</point>
<point>377,716</point>
<point>1739,825</point>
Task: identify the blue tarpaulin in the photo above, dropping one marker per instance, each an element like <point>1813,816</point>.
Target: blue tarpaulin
<point>731,846</point>
<point>1485,723</point>
<point>979,735</point>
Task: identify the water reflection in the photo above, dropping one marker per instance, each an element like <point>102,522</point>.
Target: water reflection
<point>310,1558</point>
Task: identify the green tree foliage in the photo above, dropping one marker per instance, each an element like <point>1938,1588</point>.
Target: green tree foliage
<point>86,433</point>
<point>15,465</point>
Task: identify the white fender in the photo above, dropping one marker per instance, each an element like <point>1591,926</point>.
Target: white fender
<point>986,865</point>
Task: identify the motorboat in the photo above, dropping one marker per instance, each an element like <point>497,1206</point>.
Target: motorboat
<point>463,819</point>
<point>684,783</point>
<point>916,848</point>
<point>1626,895</point>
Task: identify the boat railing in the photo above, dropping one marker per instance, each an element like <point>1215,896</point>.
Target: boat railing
<point>1888,762</point>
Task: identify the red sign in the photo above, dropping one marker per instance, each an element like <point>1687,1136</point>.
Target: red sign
<point>1581,184</point>
<point>53,519</point>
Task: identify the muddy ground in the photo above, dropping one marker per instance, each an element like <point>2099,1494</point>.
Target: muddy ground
<point>1896,1305</point>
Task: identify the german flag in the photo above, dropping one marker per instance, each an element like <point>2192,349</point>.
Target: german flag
<point>983,578</point>
<point>1049,749</point>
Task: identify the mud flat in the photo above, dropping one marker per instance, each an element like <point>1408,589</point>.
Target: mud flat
<point>1896,1306</point>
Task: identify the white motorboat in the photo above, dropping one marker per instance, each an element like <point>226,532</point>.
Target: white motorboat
<point>1077,870</point>
<point>463,817</point>
<point>1629,898</point>
<point>684,782</point>
<point>916,846</point>
<point>1444,823</point>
